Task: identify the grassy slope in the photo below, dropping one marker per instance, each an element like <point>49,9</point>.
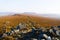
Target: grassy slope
<point>39,21</point>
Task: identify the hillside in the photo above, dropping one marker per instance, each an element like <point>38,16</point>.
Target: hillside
<point>14,20</point>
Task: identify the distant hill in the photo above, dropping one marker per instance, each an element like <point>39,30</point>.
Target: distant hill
<point>55,16</point>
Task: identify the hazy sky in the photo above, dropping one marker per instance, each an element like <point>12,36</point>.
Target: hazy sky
<point>39,6</point>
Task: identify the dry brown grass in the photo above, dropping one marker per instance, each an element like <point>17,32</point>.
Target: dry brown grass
<point>16,19</point>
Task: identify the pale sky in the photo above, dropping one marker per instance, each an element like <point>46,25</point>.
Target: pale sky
<point>38,6</point>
